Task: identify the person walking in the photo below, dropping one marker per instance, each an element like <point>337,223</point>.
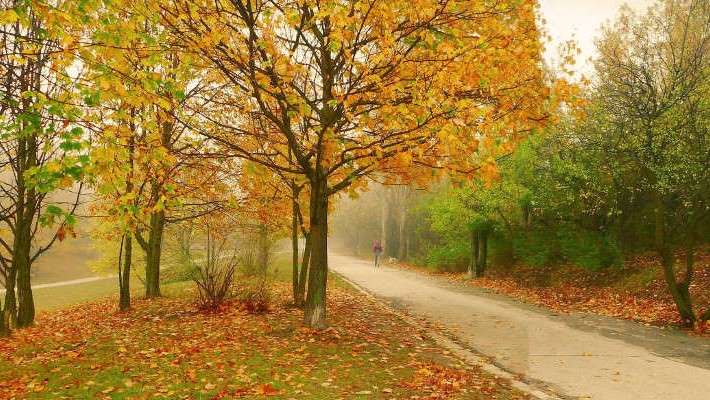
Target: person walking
<point>377,250</point>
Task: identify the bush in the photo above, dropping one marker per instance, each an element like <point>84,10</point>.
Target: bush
<point>451,256</point>
<point>179,271</point>
<point>255,295</point>
<point>590,250</point>
<point>534,247</point>
<point>214,275</point>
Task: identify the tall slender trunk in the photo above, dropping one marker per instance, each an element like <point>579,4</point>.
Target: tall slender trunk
<point>408,248</point>
<point>383,225</point>
<point>263,249</point>
<point>124,278</point>
<point>473,261</point>
<point>22,244</point>
<point>402,227</point>
<point>315,308</point>
<point>153,252</point>
<point>294,244</point>
<point>157,219</point>
<point>21,259</point>
<point>3,330</point>
<point>124,272</point>
<point>303,278</point>
<point>10,311</point>
<point>482,253</point>
<point>356,248</point>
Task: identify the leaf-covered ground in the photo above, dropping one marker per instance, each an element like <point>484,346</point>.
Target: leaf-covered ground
<point>167,349</point>
<point>636,291</point>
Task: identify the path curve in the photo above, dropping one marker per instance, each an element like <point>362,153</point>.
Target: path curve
<point>574,360</point>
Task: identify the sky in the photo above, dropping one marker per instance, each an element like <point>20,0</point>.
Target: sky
<point>581,21</point>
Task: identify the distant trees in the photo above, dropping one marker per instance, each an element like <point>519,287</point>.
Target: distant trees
<point>631,175</point>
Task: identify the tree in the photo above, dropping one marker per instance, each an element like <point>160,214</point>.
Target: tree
<point>652,95</point>
<point>41,145</point>
<point>330,92</point>
<point>143,73</point>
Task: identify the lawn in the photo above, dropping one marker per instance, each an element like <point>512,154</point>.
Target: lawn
<point>58,297</point>
<point>167,348</point>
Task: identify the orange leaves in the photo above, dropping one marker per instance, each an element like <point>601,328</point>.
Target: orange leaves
<point>400,96</point>
<point>164,348</point>
<point>438,382</point>
<point>63,230</point>
<point>267,390</point>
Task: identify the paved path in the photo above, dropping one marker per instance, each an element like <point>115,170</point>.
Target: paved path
<point>579,356</point>
<point>71,282</point>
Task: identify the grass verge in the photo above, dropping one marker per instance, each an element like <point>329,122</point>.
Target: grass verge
<point>165,348</point>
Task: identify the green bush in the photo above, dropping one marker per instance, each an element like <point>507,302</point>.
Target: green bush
<point>451,256</point>
<point>177,272</point>
<point>535,247</point>
<point>590,250</point>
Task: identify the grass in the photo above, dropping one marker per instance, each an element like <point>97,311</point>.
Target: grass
<point>54,298</point>
<point>166,348</point>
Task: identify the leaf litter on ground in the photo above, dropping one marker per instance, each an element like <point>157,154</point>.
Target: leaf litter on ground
<point>166,348</point>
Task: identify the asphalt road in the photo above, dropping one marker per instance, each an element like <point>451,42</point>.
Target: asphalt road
<point>579,356</point>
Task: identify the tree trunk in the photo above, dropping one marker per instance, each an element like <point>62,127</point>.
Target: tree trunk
<point>22,243</point>
<point>263,249</point>
<point>482,253</point>
<point>22,264</point>
<point>294,247</point>
<point>10,311</point>
<point>383,225</point>
<point>356,249</point>
<point>407,248</point>
<point>4,332</point>
<point>303,278</point>
<point>124,273</point>
<point>473,261</point>
<point>679,291</point>
<point>124,279</point>
<point>153,252</point>
<point>315,309</point>
<point>401,253</point>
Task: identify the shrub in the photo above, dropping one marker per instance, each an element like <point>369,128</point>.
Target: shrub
<point>450,256</point>
<point>255,295</point>
<point>214,275</point>
<point>534,247</point>
<point>214,283</point>
<point>178,271</point>
<point>590,250</point>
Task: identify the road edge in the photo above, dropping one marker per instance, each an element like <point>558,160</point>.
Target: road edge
<point>466,355</point>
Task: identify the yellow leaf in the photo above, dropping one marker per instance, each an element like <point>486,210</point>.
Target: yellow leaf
<point>8,16</point>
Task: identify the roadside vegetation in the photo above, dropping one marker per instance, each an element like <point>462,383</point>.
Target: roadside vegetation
<point>608,211</point>
<point>174,348</point>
